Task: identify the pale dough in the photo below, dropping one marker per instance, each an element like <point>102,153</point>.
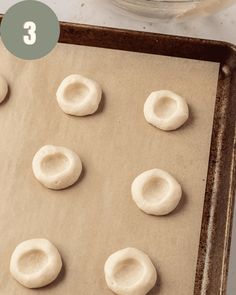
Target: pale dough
<point>56,167</point>
<point>130,272</point>
<point>156,192</point>
<point>35,263</point>
<point>78,95</point>
<point>166,110</point>
<point>3,88</point>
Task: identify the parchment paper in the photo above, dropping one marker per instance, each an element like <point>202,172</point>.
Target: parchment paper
<point>97,216</point>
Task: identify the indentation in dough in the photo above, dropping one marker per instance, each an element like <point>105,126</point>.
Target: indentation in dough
<point>78,95</point>
<point>165,107</point>
<point>32,261</point>
<point>76,92</point>
<point>166,110</point>
<point>35,263</point>
<point>155,188</point>
<point>56,167</point>
<point>156,192</point>
<point>54,164</point>
<point>128,272</point>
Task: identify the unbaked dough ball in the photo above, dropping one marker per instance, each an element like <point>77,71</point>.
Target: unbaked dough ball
<point>3,88</point>
<point>78,95</point>
<point>130,272</point>
<point>166,110</point>
<point>35,263</point>
<point>56,167</point>
<point>156,192</point>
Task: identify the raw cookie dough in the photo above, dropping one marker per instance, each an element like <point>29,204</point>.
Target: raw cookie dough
<point>56,167</point>
<point>166,110</point>
<point>79,96</point>
<point>156,192</point>
<point>3,88</point>
<point>130,272</point>
<point>35,263</point>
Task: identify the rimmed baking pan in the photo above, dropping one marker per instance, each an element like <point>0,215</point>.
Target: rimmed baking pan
<point>213,255</point>
<point>216,221</point>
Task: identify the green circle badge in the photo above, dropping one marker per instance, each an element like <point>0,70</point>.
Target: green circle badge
<point>30,29</point>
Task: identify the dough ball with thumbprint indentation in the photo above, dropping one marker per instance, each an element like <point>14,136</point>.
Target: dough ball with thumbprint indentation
<point>130,272</point>
<point>166,110</point>
<point>56,167</point>
<point>79,96</point>
<point>35,263</point>
<point>156,192</point>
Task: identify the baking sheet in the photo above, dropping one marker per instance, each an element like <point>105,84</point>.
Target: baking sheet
<point>97,216</point>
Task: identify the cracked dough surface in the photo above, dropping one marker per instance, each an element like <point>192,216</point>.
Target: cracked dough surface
<point>130,272</point>
<point>35,263</point>
<point>78,95</point>
<point>56,167</point>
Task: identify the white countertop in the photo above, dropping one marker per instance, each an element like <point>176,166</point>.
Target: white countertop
<point>221,26</point>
